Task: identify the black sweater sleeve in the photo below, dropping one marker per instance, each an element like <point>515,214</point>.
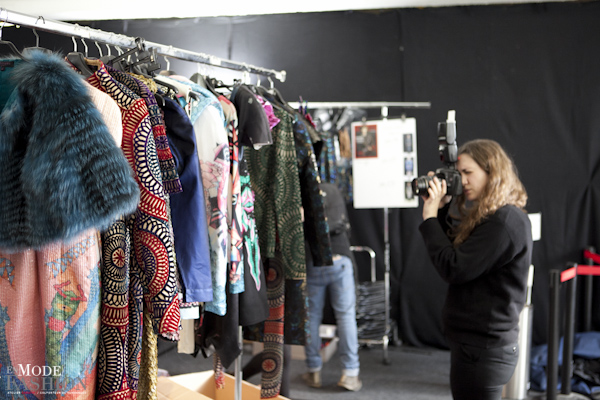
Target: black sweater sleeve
<point>488,246</point>
<point>487,276</point>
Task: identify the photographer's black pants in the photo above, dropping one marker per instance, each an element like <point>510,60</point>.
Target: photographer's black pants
<point>480,374</point>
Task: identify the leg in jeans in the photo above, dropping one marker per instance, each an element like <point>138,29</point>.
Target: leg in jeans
<point>316,286</point>
<point>480,374</point>
<point>343,301</point>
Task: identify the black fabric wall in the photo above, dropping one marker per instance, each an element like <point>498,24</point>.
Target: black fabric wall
<point>524,75</point>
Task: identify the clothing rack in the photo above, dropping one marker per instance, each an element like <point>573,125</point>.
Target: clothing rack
<point>365,104</point>
<point>384,105</point>
<point>116,39</point>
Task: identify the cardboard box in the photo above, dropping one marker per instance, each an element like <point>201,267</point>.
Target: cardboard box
<point>201,386</point>
<point>328,344</point>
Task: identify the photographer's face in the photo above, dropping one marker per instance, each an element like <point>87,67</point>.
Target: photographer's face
<point>474,178</point>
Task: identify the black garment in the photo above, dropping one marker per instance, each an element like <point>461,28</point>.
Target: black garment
<point>337,219</point>
<point>487,276</point>
<point>480,374</point>
<point>316,229</point>
<point>253,123</point>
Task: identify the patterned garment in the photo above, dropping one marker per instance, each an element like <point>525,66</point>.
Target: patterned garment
<point>251,242</point>
<point>115,379</point>
<point>274,175</point>
<point>149,363</point>
<point>327,159</point>
<point>215,164</point>
<point>344,165</point>
<point>316,229</point>
<point>152,273</point>
<point>272,356</point>
<point>49,312</point>
<point>236,225</point>
<point>170,178</point>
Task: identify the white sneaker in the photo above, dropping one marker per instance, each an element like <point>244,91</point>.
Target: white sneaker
<point>312,379</point>
<point>352,383</point>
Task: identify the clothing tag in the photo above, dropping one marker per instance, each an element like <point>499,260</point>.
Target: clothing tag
<point>190,312</point>
<point>6,64</point>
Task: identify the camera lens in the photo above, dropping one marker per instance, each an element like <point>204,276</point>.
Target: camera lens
<point>420,185</point>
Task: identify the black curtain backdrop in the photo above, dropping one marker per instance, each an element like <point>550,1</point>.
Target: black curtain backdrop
<point>525,75</point>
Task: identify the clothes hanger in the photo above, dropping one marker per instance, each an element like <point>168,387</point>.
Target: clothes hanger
<point>110,59</point>
<point>171,90</point>
<point>121,61</point>
<point>37,41</point>
<point>11,45</point>
<point>273,95</point>
<point>167,71</point>
<point>77,59</point>
<point>145,64</point>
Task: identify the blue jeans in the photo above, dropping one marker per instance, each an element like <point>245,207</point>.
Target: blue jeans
<point>339,279</point>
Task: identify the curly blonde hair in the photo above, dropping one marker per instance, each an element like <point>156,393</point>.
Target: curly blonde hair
<point>503,186</point>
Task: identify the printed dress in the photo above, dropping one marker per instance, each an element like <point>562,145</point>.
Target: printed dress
<point>138,258</point>
<point>49,320</point>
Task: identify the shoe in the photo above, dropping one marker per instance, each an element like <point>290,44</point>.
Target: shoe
<point>351,383</point>
<point>312,379</point>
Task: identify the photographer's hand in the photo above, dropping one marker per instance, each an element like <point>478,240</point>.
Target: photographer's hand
<point>437,197</point>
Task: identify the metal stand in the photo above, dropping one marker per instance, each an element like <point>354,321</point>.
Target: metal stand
<point>517,387</point>
<point>386,239</point>
<point>569,278</point>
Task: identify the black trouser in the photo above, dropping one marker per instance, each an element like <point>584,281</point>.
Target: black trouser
<point>480,374</point>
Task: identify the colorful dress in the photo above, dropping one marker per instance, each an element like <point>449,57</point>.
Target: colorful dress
<point>150,277</point>
<point>49,314</point>
<point>170,177</point>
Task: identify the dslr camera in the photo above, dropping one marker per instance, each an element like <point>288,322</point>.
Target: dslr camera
<point>449,156</point>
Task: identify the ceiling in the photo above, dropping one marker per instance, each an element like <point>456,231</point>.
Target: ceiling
<point>82,10</point>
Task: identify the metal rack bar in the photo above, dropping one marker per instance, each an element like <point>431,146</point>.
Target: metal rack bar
<point>116,39</point>
<point>363,104</point>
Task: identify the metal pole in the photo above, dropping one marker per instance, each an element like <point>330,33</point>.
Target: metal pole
<point>587,295</point>
<point>363,104</point>
<point>567,360</point>
<point>386,283</point>
<point>85,32</point>
<point>553,335</point>
<point>238,366</point>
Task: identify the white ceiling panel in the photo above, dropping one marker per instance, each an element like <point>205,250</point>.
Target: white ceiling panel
<point>80,10</point>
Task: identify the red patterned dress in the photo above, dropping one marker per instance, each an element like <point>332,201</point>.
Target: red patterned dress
<point>138,258</point>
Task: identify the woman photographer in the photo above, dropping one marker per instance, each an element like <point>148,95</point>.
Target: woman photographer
<point>481,245</point>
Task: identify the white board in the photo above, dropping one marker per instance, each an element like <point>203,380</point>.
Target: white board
<point>384,163</point>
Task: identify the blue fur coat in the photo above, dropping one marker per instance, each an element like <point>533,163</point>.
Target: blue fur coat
<point>62,172</point>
